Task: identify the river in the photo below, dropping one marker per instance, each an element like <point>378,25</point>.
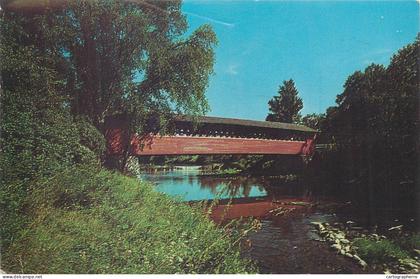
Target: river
<point>286,242</point>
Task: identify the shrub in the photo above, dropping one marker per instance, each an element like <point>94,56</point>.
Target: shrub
<point>90,137</point>
<point>94,221</point>
<point>33,144</point>
<point>409,242</point>
<point>378,251</point>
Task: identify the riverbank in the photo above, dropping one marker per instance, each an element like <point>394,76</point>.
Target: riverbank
<point>88,220</point>
<point>286,245</point>
<point>302,236</point>
<point>249,165</point>
<point>287,241</point>
<point>216,170</point>
<point>395,252</point>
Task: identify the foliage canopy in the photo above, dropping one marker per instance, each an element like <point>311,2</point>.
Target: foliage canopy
<point>134,58</point>
<point>375,129</point>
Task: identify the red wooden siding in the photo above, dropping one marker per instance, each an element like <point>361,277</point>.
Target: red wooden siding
<point>189,145</point>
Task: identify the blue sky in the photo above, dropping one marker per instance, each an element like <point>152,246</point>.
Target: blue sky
<point>318,44</point>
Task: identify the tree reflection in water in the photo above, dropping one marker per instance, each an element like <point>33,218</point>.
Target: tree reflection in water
<point>238,186</point>
<point>191,184</point>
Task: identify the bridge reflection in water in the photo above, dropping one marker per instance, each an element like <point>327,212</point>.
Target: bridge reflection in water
<point>247,196</point>
<point>187,184</point>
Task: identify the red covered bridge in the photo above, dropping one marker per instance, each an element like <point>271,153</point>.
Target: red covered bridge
<point>215,135</point>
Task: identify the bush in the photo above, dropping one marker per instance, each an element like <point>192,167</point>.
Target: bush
<point>34,144</point>
<point>409,242</point>
<point>90,137</point>
<point>379,251</point>
<point>94,221</point>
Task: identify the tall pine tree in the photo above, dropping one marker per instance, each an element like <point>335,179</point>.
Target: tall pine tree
<point>286,106</point>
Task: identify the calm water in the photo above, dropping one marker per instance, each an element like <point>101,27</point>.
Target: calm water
<point>285,244</point>
<point>187,184</point>
<point>281,240</point>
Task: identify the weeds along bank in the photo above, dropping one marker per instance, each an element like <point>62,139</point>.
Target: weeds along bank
<point>87,220</point>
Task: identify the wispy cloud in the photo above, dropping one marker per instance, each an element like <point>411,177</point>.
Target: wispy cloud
<point>142,2</point>
<point>381,51</point>
<point>230,25</point>
<point>377,56</point>
<point>232,69</point>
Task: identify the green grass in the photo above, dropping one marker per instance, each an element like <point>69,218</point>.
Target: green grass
<point>95,221</point>
<point>379,251</point>
<point>230,171</point>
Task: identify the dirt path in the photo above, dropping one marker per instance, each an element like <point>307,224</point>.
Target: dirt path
<point>286,245</point>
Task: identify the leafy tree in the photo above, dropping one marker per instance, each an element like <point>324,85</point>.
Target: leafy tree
<point>130,58</point>
<point>313,120</point>
<point>286,106</point>
<point>375,126</point>
<point>134,59</point>
<point>360,104</point>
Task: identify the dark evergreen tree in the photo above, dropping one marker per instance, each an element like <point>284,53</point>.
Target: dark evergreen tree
<point>286,106</point>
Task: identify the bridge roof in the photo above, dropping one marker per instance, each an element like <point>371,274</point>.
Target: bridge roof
<point>244,122</point>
